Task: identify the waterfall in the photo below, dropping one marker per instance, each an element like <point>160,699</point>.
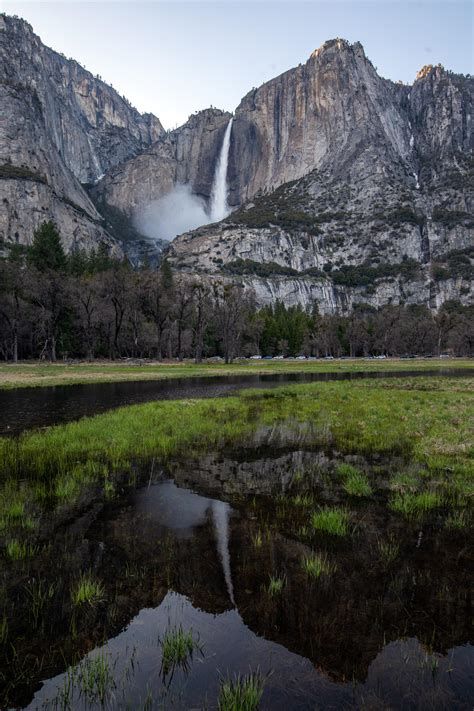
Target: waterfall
<point>219,207</point>
<point>220,513</point>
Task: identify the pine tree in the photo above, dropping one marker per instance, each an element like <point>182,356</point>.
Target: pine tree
<point>46,251</point>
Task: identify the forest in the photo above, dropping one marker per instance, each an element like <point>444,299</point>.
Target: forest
<point>91,305</point>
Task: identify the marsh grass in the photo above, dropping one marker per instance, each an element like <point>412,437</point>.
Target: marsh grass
<point>242,693</point>
<point>257,539</point>
<point>387,417</point>
<point>345,470</point>
<point>275,585</point>
<point>96,679</point>
<point>388,551</point>
<point>20,550</point>
<point>357,484</point>
<point>405,482</point>
<point>317,565</point>
<point>304,500</point>
<point>332,520</point>
<point>39,595</point>
<point>177,647</point>
<point>87,590</point>
<point>3,629</point>
<point>458,520</point>
<point>415,506</point>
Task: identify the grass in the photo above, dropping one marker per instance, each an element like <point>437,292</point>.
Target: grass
<point>20,550</point>
<point>415,506</point>
<point>242,693</point>
<point>425,420</point>
<point>458,520</point>
<point>318,564</point>
<point>87,590</point>
<point>96,680</point>
<point>39,594</point>
<point>357,484</point>
<point>405,482</point>
<point>177,647</point>
<point>31,374</point>
<point>275,585</point>
<point>388,551</point>
<point>334,521</point>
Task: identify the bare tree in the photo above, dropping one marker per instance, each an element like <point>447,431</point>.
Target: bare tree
<point>233,309</point>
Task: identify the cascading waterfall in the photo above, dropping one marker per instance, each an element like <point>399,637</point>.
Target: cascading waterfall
<point>219,207</point>
<point>220,514</point>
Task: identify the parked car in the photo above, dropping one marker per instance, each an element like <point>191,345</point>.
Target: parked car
<point>256,357</point>
<point>279,357</point>
<point>267,358</point>
<point>301,357</point>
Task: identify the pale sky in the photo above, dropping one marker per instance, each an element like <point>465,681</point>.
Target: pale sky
<point>173,58</point>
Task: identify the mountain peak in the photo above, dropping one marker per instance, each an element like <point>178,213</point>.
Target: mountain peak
<point>338,44</point>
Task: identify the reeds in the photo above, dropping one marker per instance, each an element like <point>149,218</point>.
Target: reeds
<point>242,693</point>
<point>177,646</point>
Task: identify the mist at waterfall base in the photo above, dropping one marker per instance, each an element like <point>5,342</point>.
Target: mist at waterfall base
<point>181,210</point>
<point>176,212</point>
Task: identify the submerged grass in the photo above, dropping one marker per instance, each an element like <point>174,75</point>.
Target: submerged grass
<point>318,564</point>
<point>388,551</point>
<point>275,585</point>
<point>242,693</point>
<point>20,550</point>
<point>87,590</point>
<point>177,647</point>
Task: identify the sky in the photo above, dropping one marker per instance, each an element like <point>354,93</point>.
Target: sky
<point>173,58</point>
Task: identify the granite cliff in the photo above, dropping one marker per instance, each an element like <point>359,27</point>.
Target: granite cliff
<point>350,188</point>
<point>60,128</point>
<point>345,187</point>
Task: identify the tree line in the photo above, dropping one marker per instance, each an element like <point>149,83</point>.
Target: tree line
<point>91,305</point>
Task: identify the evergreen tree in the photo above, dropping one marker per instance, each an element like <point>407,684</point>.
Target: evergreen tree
<point>166,275</point>
<point>46,251</point>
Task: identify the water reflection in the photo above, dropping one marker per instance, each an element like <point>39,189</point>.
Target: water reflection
<point>182,551</point>
<point>24,408</point>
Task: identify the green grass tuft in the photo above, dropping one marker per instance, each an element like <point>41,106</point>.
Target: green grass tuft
<point>177,647</point>
<point>357,484</point>
<point>275,585</point>
<point>317,565</point>
<point>334,521</point>
<point>242,693</point>
<point>19,550</point>
<point>87,590</point>
<point>415,506</point>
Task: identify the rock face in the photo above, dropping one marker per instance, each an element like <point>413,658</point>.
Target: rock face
<point>351,188</point>
<point>345,187</point>
<point>59,127</point>
<point>187,155</point>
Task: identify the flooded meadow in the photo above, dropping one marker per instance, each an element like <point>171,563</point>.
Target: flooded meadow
<point>286,552</point>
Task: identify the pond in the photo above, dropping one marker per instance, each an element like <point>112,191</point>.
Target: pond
<point>224,547</point>
<point>24,408</point>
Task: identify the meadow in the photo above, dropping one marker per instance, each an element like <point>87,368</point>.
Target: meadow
<point>35,374</point>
